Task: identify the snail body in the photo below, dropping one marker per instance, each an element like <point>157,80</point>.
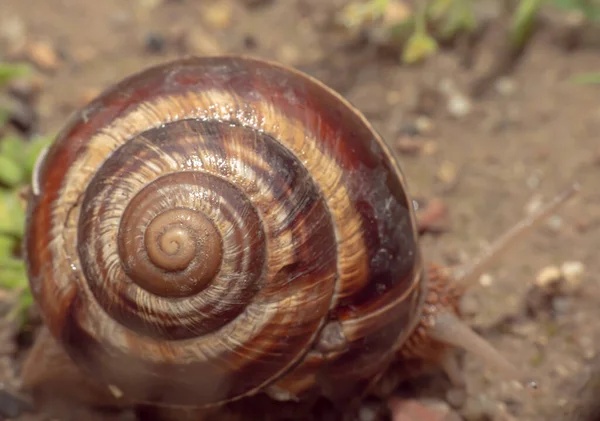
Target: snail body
<point>214,228</point>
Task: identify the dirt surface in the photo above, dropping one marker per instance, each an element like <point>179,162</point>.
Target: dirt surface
<point>530,135</point>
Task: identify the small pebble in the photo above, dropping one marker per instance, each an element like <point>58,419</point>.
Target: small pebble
<point>459,105</point>
<point>43,55</point>
<point>154,43</point>
<point>424,124</point>
<point>367,413</point>
<point>555,222</point>
<point>561,305</point>
<point>478,409</point>
<point>433,217</point>
<point>572,272</point>
<point>486,280</point>
<point>534,204</point>
<point>409,145</point>
<point>447,172</point>
<point>250,42</point>
<point>201,42</point>
<point>429,148</point>
<point>505,86</point>
<point>289,54</point>
<point>413,410</point>
<point>456,397</point>
<point>548,276</point>
<point>219,14</point>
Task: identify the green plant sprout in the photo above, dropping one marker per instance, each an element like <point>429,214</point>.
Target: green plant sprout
<point>357,14</point>
<point>590,9</point>
<point>440,20</point>
<point>17,161</point>
<point>420,44</point>
<point>522,21</point>
<point>592,78</point>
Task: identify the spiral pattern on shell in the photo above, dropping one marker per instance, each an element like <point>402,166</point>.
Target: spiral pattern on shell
<point>207,227</point>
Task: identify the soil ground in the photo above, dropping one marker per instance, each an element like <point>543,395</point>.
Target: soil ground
<point>525,139</point>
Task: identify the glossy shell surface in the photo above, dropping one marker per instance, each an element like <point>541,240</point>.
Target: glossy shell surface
<point>211,228</point>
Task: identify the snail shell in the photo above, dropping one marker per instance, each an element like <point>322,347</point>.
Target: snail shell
<point>212,228</point>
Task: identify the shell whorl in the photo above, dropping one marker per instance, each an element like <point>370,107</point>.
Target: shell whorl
<point>199,223</point>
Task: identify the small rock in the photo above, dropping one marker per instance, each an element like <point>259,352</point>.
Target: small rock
<point>200,42</point>
<point>413,410</point>
<point>367,413</point>
<point>430,147</point>
<point>447,172</point>
<point>13,31</point>
<point>456,397</point>
<point>572,272</point>
<point>555,223</point>
<point>505,86</point>
<point>250,42</point>
<point>409,145</point>
<point>534,204</point>
<point>84,54</point>
<point>459,105</point>
<point>486,280</point>
<point>433,217</point>
<point>424,124</point>
<point>43,55</point>
<point>219,15</point>
<point>561,305</point>
<point>548,276</point>
<point>478,409</point>
<point>154,43</point>
<point>289,54</point>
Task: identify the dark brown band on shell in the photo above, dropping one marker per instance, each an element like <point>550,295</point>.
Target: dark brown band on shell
<point>307,205</point>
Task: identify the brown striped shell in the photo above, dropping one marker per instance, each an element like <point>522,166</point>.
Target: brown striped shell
<point>212,228</point>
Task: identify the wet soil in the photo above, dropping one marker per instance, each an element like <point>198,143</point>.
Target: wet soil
<point>488,158</point>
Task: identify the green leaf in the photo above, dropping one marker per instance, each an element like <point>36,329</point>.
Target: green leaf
<point>11,173</point>
<point>418,47</point>
<point>460,17</point>
<point>12,215</point>
<point>586,78</point>
<point>522,21</point>
<point>12,148</point>
<point>7,245</point>
<point>356,14</point>
<point>437,9</point>
<point>10,71</point>
<point>589,8</point>
<point>12,274</point>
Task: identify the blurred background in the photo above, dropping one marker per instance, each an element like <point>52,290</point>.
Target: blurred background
<point>492,107</point>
